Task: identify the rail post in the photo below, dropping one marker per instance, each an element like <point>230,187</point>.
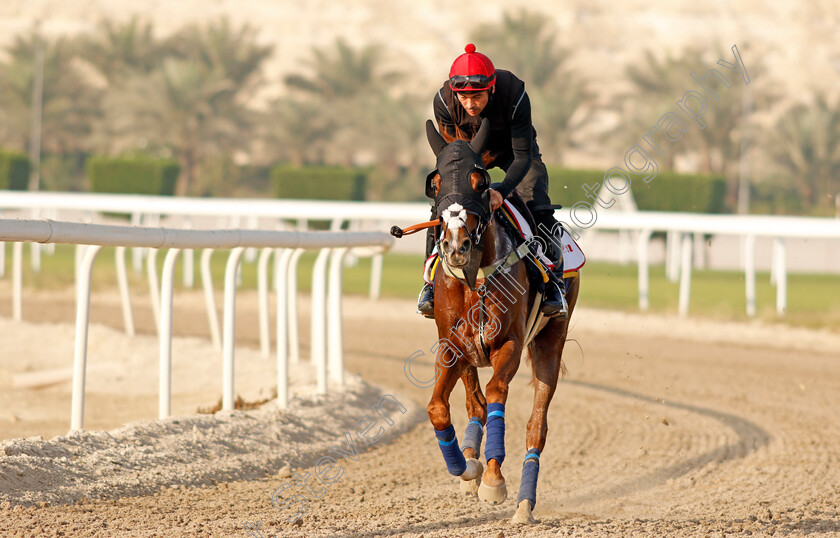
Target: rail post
<point>210,299</point>
<point>154,285</point>
<point>263,301</point>
<point>17,281</point>
<point>749,273</point>
<point>685,274</point>
<point>335,349</point>
<point>781,276</point>
<point>229,336</point>
<point>77,416</point>
<point>125,295</point>
<point>294,333</point>
<point>167,279</point>
<point>318,333</point>
<point>282,291</point>
<point>644,270</point>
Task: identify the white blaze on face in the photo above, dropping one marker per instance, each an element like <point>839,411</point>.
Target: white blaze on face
<point>454,217</point>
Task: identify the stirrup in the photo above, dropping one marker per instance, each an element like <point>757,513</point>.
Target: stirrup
<point>550,310</point>
<point>426,301</point>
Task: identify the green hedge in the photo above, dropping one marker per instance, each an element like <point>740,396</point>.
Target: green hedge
<point>774,197</point>
<point>14,171</point>
<point>133,175</point>
<point>565,185</point>
<point>668,191</point>
<point>318,182</point>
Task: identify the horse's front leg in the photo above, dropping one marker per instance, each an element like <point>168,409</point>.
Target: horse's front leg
<point>477,411</point>
<point>505,362</point>
<point>438,409</point>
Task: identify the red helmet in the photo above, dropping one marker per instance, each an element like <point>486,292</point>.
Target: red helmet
<point>471,72</point>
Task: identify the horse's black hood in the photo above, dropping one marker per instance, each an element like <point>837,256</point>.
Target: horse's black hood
<point>456,161</point>
<point>455,164</point>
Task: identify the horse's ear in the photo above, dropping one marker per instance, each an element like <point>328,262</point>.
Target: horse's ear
<point>435,140</point>
<point>480,138</point>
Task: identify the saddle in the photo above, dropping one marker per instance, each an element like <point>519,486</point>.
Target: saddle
<point>516,201</point>
<point>508,222</point>
<point>517,222</point>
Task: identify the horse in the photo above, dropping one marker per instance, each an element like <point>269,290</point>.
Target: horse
<point>481,323</point>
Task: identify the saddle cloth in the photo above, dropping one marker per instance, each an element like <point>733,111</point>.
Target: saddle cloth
<point>573,257</point>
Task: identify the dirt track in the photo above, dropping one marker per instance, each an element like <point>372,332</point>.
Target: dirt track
<point>649,436</point>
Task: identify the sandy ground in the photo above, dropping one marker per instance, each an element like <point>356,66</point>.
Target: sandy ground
<point>662,427</point>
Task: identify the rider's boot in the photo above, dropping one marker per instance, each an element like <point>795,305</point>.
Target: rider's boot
<point>426,299</point>
<point>554,302</point>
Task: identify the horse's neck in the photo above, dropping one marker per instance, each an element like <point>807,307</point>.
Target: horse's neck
<point>496,244</point>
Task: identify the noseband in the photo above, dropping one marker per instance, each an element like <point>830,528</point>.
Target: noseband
<point>477,234</point>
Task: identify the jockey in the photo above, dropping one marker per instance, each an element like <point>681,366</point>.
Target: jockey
<point>477,90</point>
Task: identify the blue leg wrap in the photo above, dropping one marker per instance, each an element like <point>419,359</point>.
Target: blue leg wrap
<point>454,458</point>
<point>494,448</point>
<point>473,436</point>
<point>530,472</point>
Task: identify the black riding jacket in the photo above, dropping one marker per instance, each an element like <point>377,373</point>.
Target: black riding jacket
<point>513,140</point>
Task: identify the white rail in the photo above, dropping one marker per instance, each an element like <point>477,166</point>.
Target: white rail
<point>676,225</point>
<point>749,227</point>
<point>214,207</point>
<point>147,210</point>
<point>327,359</point>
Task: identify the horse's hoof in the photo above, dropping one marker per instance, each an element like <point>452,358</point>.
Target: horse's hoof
<point>469,488</point>
<point>474,470</point>
<point>492,494</point>
<point>523,514</point>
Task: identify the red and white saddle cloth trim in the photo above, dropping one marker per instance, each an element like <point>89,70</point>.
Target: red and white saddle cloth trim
<point>573,257</point>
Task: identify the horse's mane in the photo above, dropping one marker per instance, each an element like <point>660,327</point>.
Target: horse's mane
<point>486,156</point>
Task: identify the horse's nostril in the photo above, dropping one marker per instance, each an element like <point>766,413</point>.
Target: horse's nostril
<point>465,246</point>
<point>445,246</point>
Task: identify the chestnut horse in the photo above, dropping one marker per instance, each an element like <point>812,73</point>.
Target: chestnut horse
<point>483,304</point>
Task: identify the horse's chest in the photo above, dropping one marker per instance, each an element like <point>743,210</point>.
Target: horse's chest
<point>478,358</point>
<point>469,342</point>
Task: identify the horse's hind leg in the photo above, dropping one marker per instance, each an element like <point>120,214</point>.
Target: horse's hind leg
<point>477,411</point>
<point>547,365</point>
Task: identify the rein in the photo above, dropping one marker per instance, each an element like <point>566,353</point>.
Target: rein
<point>489,270</point>
<point>477,238</point>
<point>508,260</point>
<point>398,232</point>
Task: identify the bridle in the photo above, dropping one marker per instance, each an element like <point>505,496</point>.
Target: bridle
<point>483,217</point>
<point>476,235</point>
<point>454,159</point>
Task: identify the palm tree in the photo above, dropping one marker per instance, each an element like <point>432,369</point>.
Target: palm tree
<point>118,50</point>
<point>232,51</point>
<point>342,72</point>
<point>525,43</point>
<point>659,83</point>
<point>379,124</point>
<point>194,99</point>
<point>69,103</point>
<point>181,110</point>
<point>297,132</point>
<point>806,145</point>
